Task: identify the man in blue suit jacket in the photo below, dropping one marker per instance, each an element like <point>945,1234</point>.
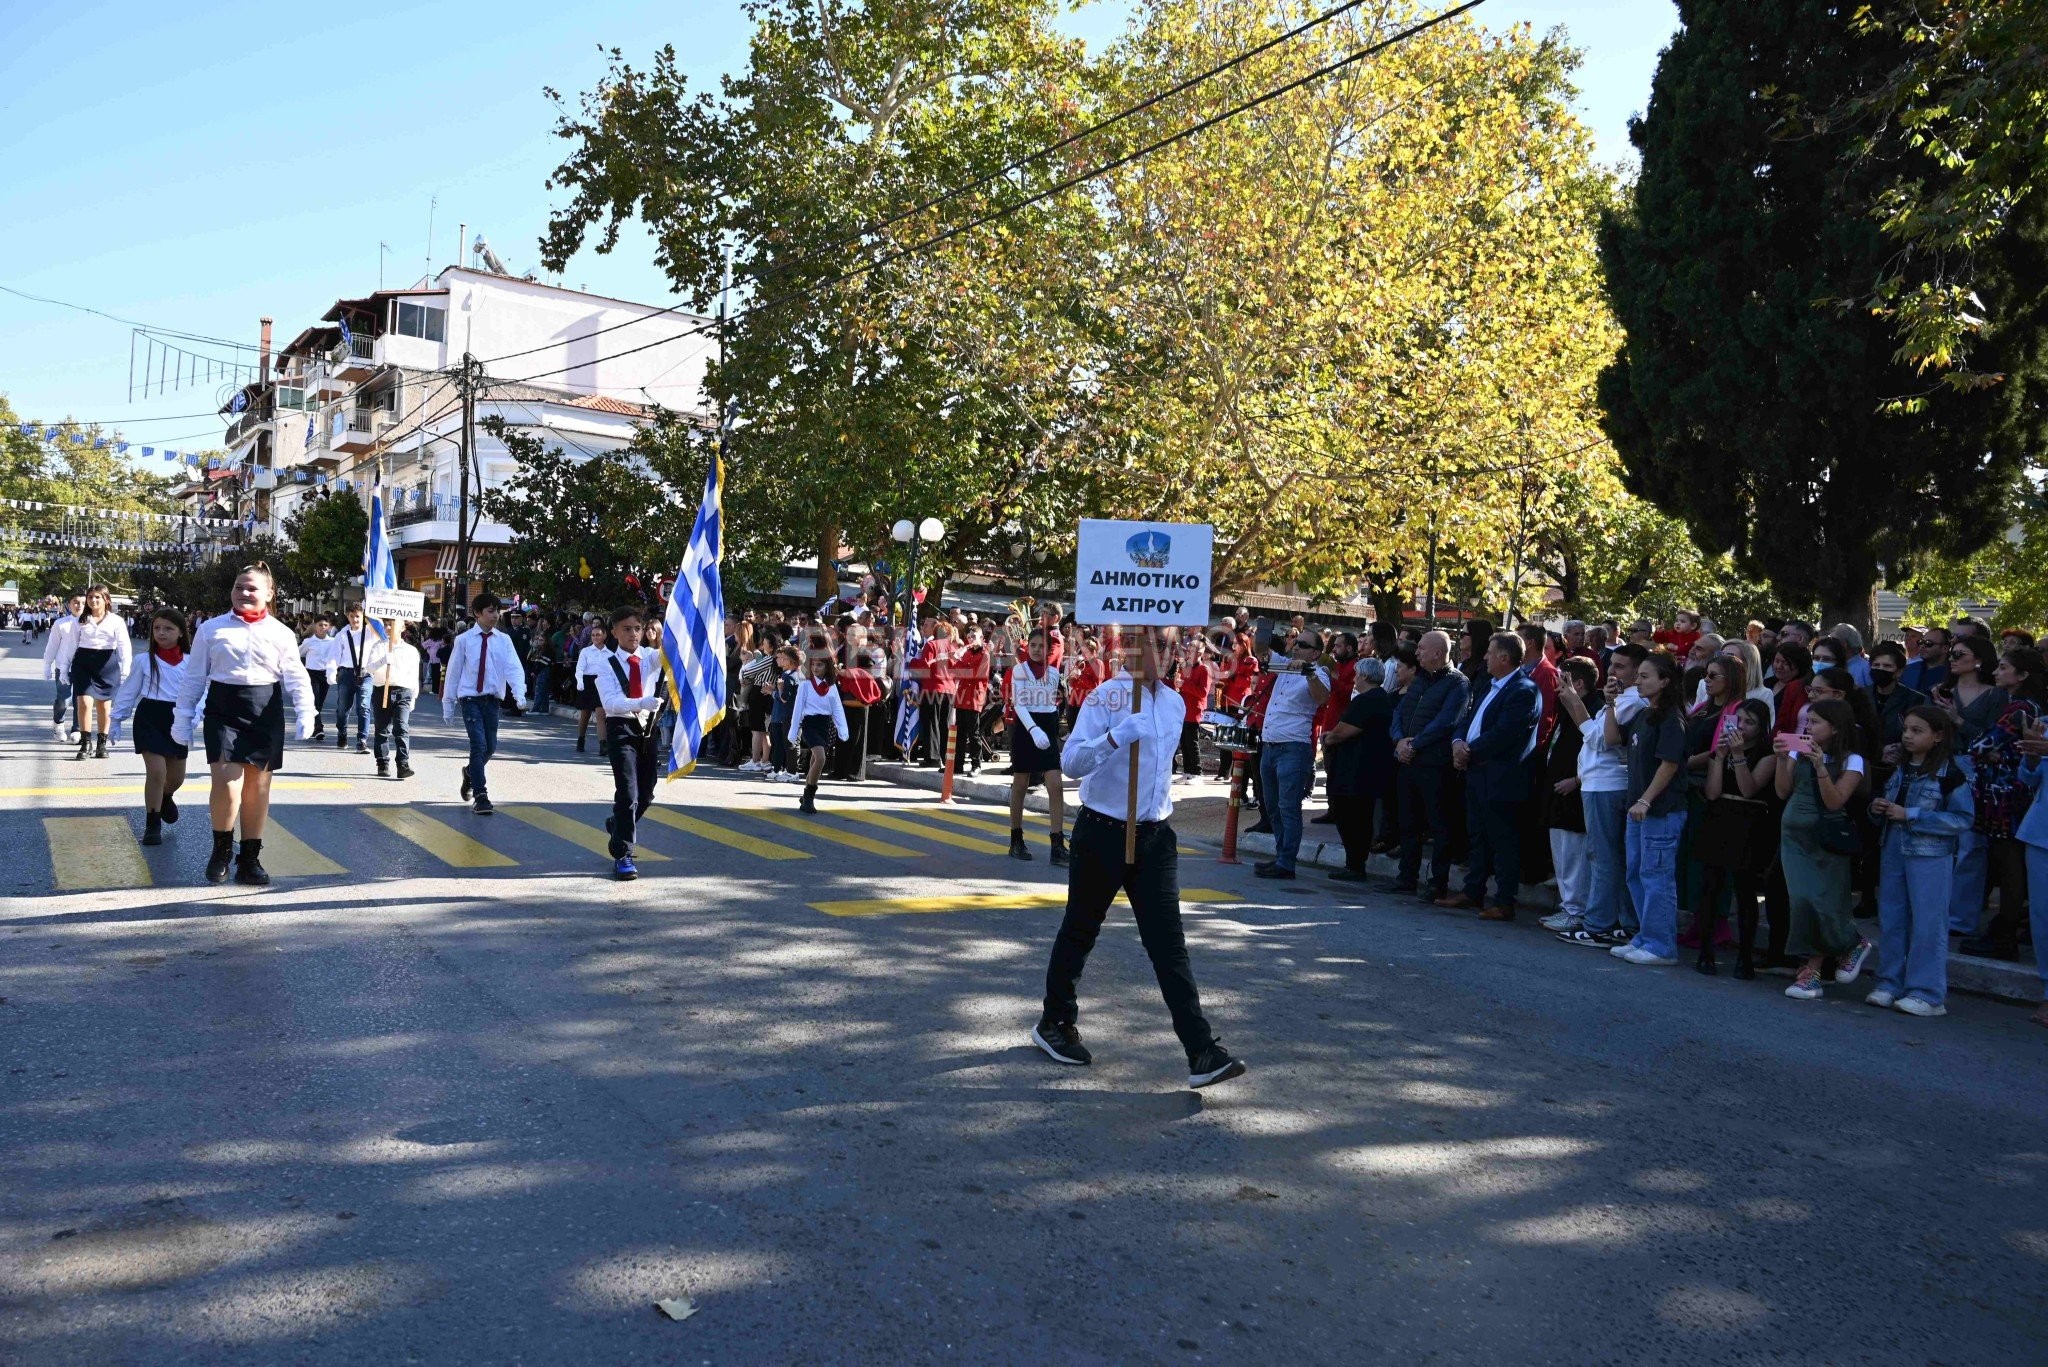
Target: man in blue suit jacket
<point>1493,742</point>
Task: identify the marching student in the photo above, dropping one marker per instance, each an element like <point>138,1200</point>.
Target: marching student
<point>63,723</point>
<point>350,652</point>
<point>394,686</point>
<point>815,715</point>
<point>1099,750</point>
<point>629,689</point>
<point>1031,710</point>
<point>481,665</point>
<point>317,652</point>
<point>231,691</point>
<point>149,696</point>
<point>589,665</point>
<point>95,658</point>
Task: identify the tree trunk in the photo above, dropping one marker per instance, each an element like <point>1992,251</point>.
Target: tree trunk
<point>1389,599</point>
<point>828,573</point>
<point>1855,604</point>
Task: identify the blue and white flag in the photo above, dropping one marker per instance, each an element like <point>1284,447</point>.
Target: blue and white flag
<point>378,570</point>
<point>693,630</point>
<point>346,336</point>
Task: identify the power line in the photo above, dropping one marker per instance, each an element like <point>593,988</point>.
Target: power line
<point>124,423</point>
<point>918,248</point>
<point>870,229</point>
<point>130,322</point>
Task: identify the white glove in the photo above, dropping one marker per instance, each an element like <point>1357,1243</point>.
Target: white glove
<point>1040,739</point>
<point>305,728</point>
<point>1128,730</point>
<point>181,732</point>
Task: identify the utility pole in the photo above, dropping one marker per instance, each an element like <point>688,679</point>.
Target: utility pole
<point>462,482</point>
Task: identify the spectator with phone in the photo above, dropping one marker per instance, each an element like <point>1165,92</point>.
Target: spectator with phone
<point>1287,746</point>
<point>1817,774</point>
<point>2002,798</point>
<point>1656,811</point>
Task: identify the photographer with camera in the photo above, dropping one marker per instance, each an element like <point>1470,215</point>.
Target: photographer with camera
<point>1287,763</point>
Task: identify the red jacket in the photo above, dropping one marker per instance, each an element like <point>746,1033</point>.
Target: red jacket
<point>937,661</point>
<point>1255,701</point>
<point>1195,683</point>
<point>969,671</point>
<point>1544,675</point>
<point>1343,678</point>
<point>1238,684</point>
<point>1082,679</point>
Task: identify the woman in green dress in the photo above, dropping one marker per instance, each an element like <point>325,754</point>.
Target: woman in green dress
<point>1817,775</point>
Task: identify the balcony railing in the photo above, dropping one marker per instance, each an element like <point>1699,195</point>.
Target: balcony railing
<point>354,354</point>
<point>412,517</point>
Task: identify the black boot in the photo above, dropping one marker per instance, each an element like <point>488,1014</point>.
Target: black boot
<point>152,829</point>
<point>1745,938</point>
<point>1708,925</point>
<point>84,745</point>
<point>222,856</point>
<point>809,802</point>
<point>1059,850</point>
<point>249,865</point>
<point>100,746</point>
<point>1018,850</point>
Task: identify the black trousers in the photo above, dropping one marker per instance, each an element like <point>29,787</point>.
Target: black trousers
<point>1191,749</point>
<point>937,720</point>
<point>846,756</point>
<point>970,741</point>
<point>1421,797</point>
<point>633,758</point>
<point>1494,847</point>
<point>1530,828</point>
<point>319,677</point>
<point>1097,874</point>
<point>1353,812</point>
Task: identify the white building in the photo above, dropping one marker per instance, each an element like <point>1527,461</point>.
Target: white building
<point>372,392</point>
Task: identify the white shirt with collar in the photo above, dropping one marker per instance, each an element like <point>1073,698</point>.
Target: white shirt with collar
<point>1102,762</point>
<point>590,661</point>
<point>230,649</point>
<point>1472,731</point>
<point>318,653</point>
<point>1291,709</point>
<point>501,669</point>
<point>60,632</point>
<point>811,703</point>
<point>617,702</point>
<point>350,648</point>
<point>108,633</point>
<point>395,662</point>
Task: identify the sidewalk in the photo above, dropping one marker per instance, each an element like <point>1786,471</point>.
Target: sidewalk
<point>1198,814</point>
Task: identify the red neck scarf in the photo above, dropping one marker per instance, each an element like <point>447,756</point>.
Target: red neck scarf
<point>822,686</point>
<point>170,656</point>
<point>255,616</point>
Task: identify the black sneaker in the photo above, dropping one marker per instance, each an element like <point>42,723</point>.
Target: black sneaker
<point>1273,871</point>
<point>1062,1043</point>
<point>465,783</point>
<point>362,749</point>
<point>341,740</point>
<point>482,806</point>
<point>1213,1065</point>
<point>405,771</point>
<point>1018,849</point>
<point>1406,889</point>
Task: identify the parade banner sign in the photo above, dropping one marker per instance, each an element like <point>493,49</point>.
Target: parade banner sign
<point>1143,573</point>
<point>395,605</point>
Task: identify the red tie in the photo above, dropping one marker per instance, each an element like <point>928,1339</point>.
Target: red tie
<point>633,674</point>
<point>483,655</point>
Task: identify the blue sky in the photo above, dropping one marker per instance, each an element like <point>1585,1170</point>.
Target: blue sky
<point>197,168</point>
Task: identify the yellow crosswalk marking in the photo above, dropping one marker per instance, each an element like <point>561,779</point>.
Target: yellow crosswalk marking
<point>290,857</point>
<point>135,789</point>
<point>1019,899</point>
<point>95,852</point>
<point>959,818</point>
<point>439,839</point>
<point>824,832</point>
<point>575,832</point>
<point>895,823</point>
<point>765,849</point>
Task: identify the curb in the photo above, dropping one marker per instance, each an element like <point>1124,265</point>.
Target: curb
<point>2012,982</point>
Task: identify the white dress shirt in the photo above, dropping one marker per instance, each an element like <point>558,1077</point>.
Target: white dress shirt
<point>318,653</point>
<point>350,650</point>
<point>230,650</point>
<point>60,632</point>
<point>590,661</point>
<point>811,703</point>
<point>1291,708</point>
<point>1102,761</point>
<point>502,669</point>
<point>153,680</point>
<point>108,633</point>
<point>394,662</point>
<point>616,700</point>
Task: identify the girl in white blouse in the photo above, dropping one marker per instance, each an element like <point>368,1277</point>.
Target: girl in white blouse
<point>589,661</point>
<point>818,715</point>
<point>149,696</point>
<point>240,662</point>
<point>95,658</point>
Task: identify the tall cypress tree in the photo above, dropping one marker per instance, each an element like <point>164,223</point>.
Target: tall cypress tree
<point>1747,401</point>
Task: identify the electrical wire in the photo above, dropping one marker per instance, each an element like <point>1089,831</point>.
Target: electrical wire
<point>130,322</point>
<point>919,248</point>
<point>124,423</point>
<point>939,201</point>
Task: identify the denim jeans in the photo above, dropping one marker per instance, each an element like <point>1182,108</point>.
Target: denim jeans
<point>1286,769</point>
<point>393,712</point>
<point>1913,892</point>
<point>1609,905</point>
<point>480,720</point>
<point>62,705</point>
<point>1966,897</point>
<point>2037,907</point>
<point>543,693</point>
<point>352,699</point>
<point>1653,879</point>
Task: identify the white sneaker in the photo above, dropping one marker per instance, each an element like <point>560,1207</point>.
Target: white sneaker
<point>1913,1006</point>
<point>57,730</point>
<point>1637,955</point>
<point>1847,969</point>
<point>1621,951</point>
<point>1880,997</point>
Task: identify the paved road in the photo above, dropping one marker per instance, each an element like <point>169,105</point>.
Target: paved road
<point>401,1109</point>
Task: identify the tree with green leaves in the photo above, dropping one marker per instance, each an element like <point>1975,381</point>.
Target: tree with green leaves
<point>327,534</point>
<point>1747,402</point>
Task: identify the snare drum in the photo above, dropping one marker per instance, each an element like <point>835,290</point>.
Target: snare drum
<point>1238,738</point>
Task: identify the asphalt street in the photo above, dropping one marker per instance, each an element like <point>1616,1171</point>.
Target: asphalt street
<point>447,1093</point>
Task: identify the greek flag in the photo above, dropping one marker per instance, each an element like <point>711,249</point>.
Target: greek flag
<point>908,717</point>
<point>693,630</point>
<point>378,571</point>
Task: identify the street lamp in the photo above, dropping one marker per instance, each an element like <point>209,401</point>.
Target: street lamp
<point>909,533</point>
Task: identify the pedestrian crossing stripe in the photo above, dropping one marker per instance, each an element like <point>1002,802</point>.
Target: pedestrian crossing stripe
<point>765,849</point>
<point>90,852</point>
<point>984,824</point>
<point>895,823</point>
<point>823,832</point>
<point>287,856</point>
<point>443,841</point>
<point>1018,899</point>
<point>135,789</point>
<point>573,831</point>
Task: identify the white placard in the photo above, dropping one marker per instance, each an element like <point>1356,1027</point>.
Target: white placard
<point>395,605</point>
<point>1143,573</point>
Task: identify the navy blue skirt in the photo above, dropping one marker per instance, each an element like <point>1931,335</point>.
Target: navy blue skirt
<point>95,674</point>
<point>245,724</point>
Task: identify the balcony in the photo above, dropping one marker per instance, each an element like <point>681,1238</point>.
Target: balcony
<point>356,433</point>
<point>355,359</point>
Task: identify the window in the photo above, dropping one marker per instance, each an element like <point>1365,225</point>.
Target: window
<point>290,397</point>
<point>420,320</point>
